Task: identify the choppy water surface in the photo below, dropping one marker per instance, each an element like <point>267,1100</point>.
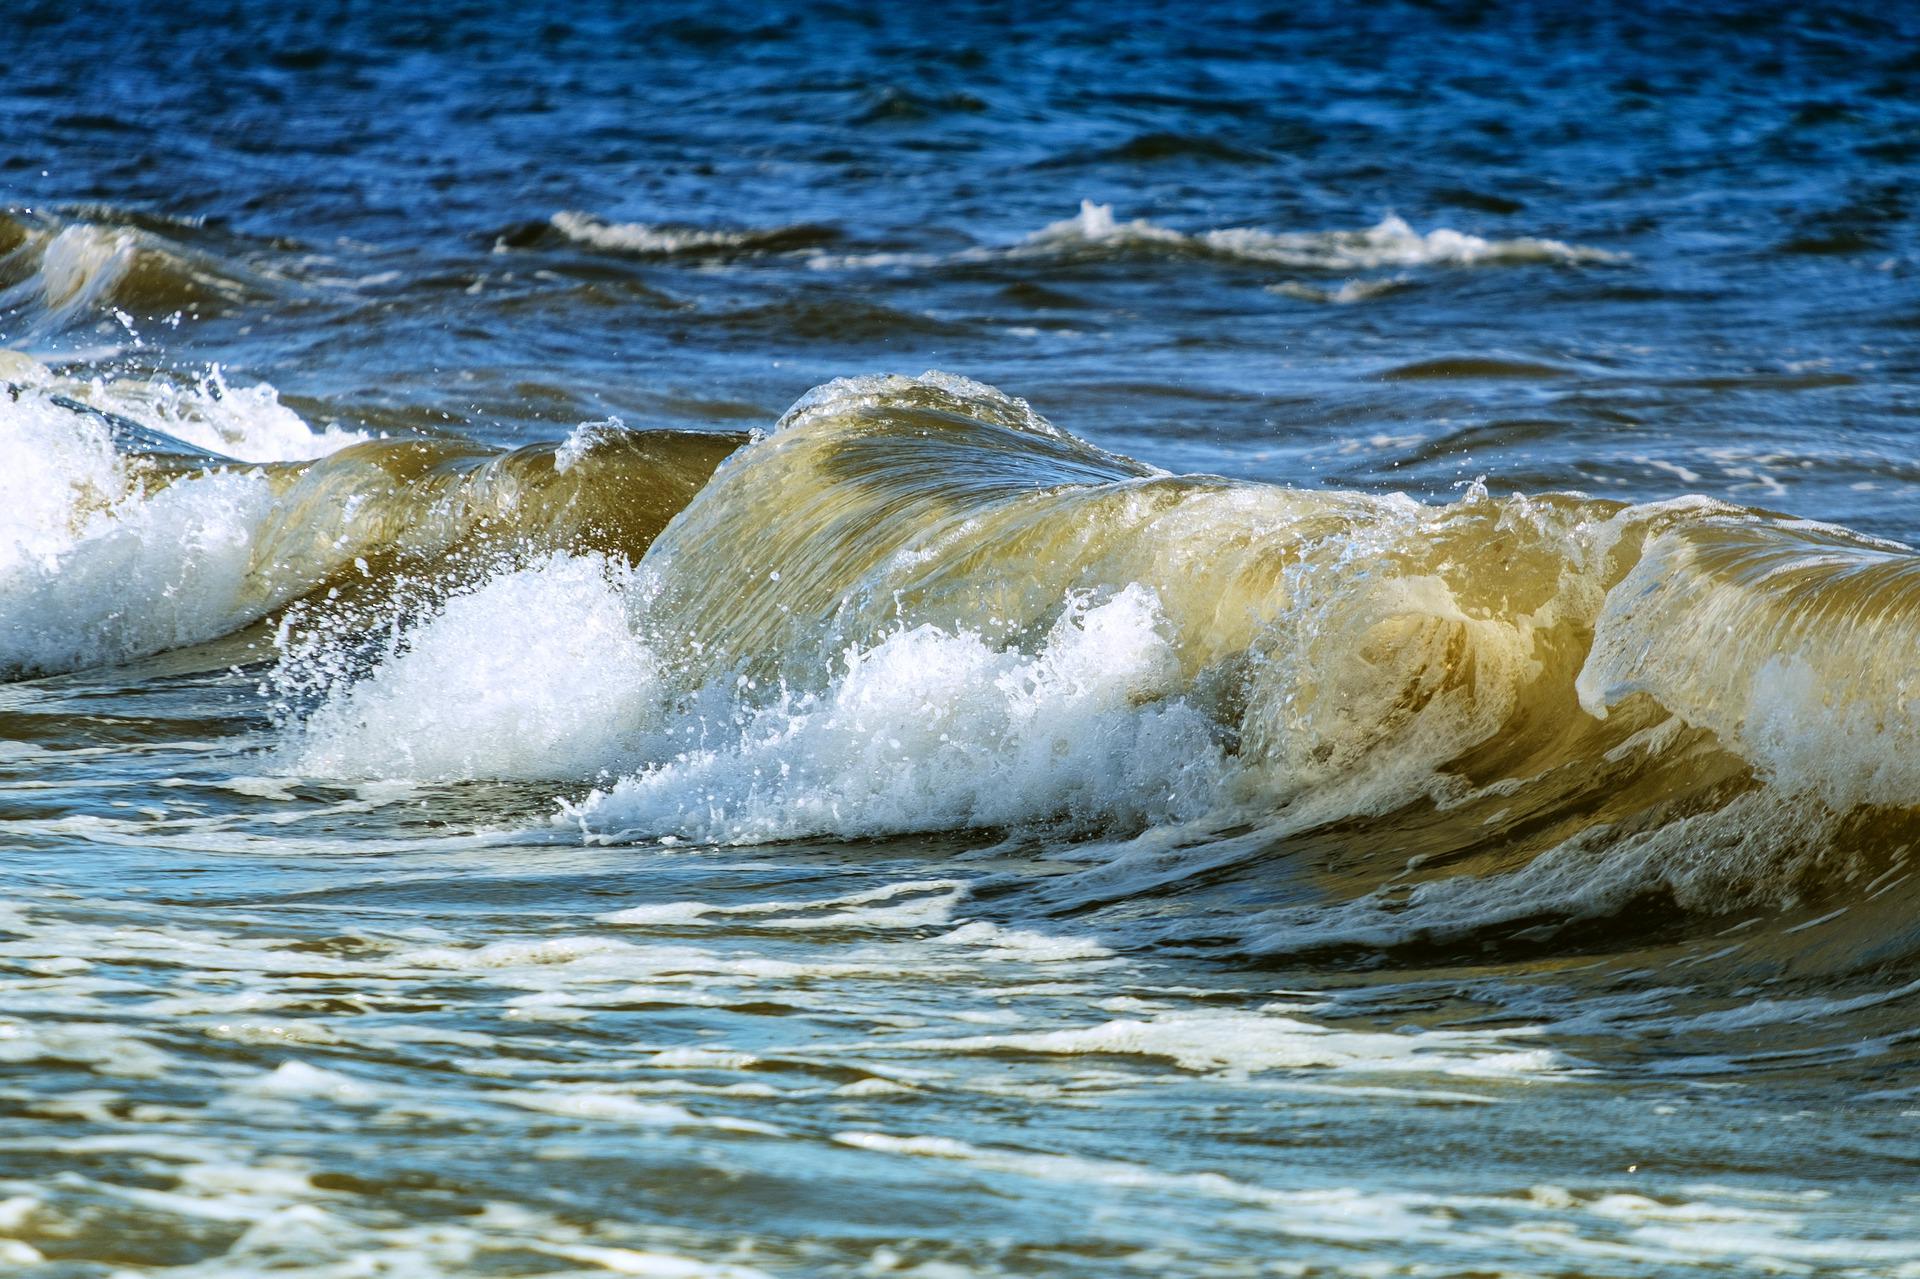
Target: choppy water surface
<point>1362,722</point>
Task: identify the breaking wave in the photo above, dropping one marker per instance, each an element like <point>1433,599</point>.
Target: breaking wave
<point>918,606</point>
<point>1095,234</point>
<point>1092,233</point>
<point>643,239</point>
<point>138,516</point>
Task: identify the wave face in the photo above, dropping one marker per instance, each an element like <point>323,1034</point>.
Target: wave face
<point>917,606</point>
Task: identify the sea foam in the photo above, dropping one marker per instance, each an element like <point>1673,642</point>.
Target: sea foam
<point>98,560</point>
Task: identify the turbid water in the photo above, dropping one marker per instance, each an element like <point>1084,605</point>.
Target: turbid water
<point>1261,641</point>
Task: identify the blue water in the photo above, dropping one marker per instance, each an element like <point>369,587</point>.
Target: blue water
<point>301,979</point>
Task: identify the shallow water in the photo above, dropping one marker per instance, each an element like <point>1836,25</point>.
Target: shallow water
<point>1365,724</point>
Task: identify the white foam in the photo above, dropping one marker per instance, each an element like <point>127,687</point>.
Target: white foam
<point>248,423</point>
<point>103,1048</point>
<point>96,564</point>
<point>144,575</point>
<point>930,730</point>
<point>644,237</point>
<point>1021,944</point>
<point>56,468</point>
<point>535,674</point>
<point>582,440</point>
<point>1242,1043</point>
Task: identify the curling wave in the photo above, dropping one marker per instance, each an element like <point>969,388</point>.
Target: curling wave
<point>916,605</point>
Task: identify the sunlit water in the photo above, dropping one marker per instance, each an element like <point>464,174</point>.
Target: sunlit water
<point>1365,724</point>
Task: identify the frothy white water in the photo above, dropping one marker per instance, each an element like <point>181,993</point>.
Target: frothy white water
<point>246,423</point>
<point>141,576</point>
<point>56,467</point>
<point>934,730</point>
<point>535,674</point>
<point>97,564</point>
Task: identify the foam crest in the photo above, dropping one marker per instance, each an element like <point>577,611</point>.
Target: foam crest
<point>653,240</point>
<point>1388,243</point>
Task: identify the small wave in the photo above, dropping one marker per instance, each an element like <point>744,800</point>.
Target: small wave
<point>62,272</point>
<point>643,239</point>
<point>1388,243</point>
<point>1094,233</point>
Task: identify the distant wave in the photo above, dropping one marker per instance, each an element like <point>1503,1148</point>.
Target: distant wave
<point>1389,242</point>
<point>59,271</point>
<point>1093,233</point>
<point>661,240</point>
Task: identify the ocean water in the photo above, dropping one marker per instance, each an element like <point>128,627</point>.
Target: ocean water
<point>1125,640</point>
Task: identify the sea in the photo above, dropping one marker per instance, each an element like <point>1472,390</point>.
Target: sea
<point>1065,639</point>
